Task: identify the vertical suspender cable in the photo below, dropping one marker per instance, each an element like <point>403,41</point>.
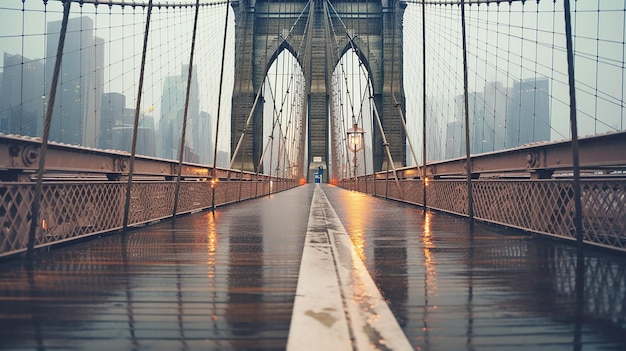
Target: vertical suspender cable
<point>468,171</point>
<point>424,102</point>
<point>186,112</point>
<point>573,124</point>
<point>393,64</point>
<point>46,131</point>
<point>22,69</point>
<point>136,121</point>
<point>219,104</point>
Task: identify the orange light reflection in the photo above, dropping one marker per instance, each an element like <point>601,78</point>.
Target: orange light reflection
<point>211,242</point>
<point>356,215</point>
<point>429,257</point>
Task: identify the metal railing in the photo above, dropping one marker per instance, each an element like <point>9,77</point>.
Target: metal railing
<point>83,191</point>
<point>512,189</point>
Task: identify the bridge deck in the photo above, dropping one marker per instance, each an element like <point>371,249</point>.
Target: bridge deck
<point>229,279</point>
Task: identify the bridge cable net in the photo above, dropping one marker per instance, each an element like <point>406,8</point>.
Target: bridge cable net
<point>354,94</point>
<point>350,109</point>
<point>517,70</point>
<point>100,74</point>
<point>285,85</point>
<point>279,94</point>
<point>518,99</point>
<point>99,94</point>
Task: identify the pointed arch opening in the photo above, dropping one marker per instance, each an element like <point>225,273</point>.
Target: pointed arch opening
<point>284,127</point>
<point>351,107</point>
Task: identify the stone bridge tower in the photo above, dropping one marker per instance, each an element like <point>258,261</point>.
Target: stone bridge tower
<point>318,33</point>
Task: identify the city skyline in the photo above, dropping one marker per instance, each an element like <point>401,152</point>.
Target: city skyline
<point>84,114</point>
<point>118,33</point>
<point>501,117</point>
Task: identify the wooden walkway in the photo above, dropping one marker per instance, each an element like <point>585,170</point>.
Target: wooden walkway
<point>227,281</point>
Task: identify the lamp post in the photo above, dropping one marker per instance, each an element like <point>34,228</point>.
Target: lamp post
<point>356,141</point>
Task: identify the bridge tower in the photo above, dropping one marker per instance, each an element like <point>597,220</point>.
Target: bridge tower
<point>318,33</point>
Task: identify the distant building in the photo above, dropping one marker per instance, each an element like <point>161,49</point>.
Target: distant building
<point>116,127</point>
<point>481,138</point>
<point>21,105</point>
<point>481,129</point>
<point>203,137</point>
<point>455,139</point>
<point>436,148</point>
<point>113,114</point>
<point>172,115</point>
<point>528,112</point>
<point>76,115</point>
<point>170,126</point>
<point>495,114</point>
<point>122,138</point>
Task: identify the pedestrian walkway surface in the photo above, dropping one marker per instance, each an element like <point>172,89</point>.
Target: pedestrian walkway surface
<point>315,267</point>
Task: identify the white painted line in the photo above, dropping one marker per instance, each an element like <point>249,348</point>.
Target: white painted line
<point>364,321</point>
<point>318,321</point>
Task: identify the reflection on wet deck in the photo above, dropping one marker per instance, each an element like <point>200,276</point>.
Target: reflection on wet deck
<point>227,280</point>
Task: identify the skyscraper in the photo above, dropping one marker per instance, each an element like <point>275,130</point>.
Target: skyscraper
<point>528,112</point>
<point>202,137</point>
<point>480,135</point>
<point>172,114</point>
<point>21,105</point>
<point>495,114</point>
<point>455,139</point>
<point>76,115</point>
<point>170,126</point>
<point>116,127</point>
<point>113,114</point>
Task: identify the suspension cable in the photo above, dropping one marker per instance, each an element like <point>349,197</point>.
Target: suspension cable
<point>136,121</point>
<point>46,131</point>
<point>219,101</point>
<point>181,150</point>
<point>256,99</point>
<point>376,113</point>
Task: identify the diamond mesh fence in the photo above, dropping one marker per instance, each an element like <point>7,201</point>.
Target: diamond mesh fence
<point>540,206</point>
<point>78,209</point>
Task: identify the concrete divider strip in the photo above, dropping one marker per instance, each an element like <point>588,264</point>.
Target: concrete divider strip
<point>337,305</point>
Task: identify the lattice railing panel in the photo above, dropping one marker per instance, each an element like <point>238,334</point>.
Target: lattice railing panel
<point>380,188</point>
<point>15,200</point>
<point>449,196</point>
<point>394,191</point>
<point>70,210</point>
<point>248,189</point>
<point>365,186</point>
<point>604,208</point>
<point>150,201</point>
<point>514,203</point>
<point>547,206</point>
<point>540,206</point>
<point>413,191</point>
<point>73,210</point>
<point>193,196</point>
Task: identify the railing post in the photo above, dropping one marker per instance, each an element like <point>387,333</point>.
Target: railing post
<point>133,149</point>
<point>36,205</point>
<point>468,172</point>
<point>573,124</point>
<point>181,151</point>
<point>424,102</point>
<point>219,102</point>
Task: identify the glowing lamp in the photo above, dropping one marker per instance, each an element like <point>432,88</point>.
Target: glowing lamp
<point>356,138</point>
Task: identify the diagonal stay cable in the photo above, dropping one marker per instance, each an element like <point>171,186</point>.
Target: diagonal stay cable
<point>258,94</point>
<point>376,113</point>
